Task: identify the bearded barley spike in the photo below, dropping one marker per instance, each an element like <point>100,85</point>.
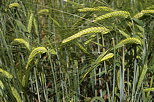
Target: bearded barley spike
<point>38,50</point>
<point>123,14</point>
<point>99,8</point>
<point>101,30</point>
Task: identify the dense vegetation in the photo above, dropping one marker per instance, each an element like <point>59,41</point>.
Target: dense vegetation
<point>76,50</point>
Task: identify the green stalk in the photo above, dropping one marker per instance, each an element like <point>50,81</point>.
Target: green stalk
<point>122,77</point>
<point>54,78</point>
<point>107,85</point>
<point>36,82</point>
<point>114,71</point>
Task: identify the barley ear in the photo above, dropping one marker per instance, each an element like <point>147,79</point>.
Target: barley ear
<point>101,30</point>
<point>1,85</point>
<point>141,78</point>
<point>16,94</point>
<point>140,14</point>
<point>148,89</point>
<point>128,41</point>
<point>38,50</point>
<point>106,57</point>
<point>147,11</point>
<point>14,5</point>
<point>99,8</point>
<point>29,27</point>
<point>43,11</point>
<point>123,14</point>
<point>6,74</point>
<point>36,27</point>
<point>22,41</point>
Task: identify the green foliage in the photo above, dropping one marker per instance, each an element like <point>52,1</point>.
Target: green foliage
<point>97,98</point>
<point>43,59</point>
<point>124,34</point>
<point>101,58</point>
